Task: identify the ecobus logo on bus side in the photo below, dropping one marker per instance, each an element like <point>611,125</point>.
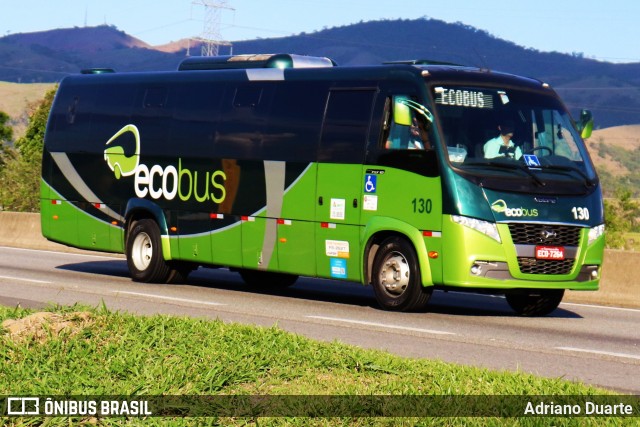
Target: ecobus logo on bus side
<point>500,206</point>
<point>172,178</point>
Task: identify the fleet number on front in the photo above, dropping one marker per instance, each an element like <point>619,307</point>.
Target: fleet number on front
<point>580,213</point>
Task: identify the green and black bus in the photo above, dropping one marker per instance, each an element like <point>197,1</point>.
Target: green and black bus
<point>408,176</point>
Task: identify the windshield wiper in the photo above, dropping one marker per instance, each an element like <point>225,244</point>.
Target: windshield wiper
<point>513,165</point>
<point>561,168</point>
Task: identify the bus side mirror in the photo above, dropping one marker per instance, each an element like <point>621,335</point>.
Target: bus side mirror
<point>586,124</point>
<point>401,111</point>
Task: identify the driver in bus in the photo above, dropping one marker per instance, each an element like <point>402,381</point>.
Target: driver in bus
<point>415,137</point>
<point>502,145</point>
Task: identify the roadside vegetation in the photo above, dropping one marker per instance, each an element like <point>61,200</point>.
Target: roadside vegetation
<point>21,160</point>
<point>80,351</point>
<point>622,214</point>
<point>628,159</point>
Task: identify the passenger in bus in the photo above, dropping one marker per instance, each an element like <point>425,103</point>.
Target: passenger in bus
<point>502,145</point>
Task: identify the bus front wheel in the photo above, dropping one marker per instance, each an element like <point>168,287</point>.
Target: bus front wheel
<point>144,254</point>
<point>396,277</point>
<point>535,302</point>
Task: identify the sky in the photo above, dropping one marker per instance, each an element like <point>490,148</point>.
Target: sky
<point>607,31</point>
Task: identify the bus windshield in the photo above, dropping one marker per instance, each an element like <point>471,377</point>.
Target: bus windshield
<point>491,134</point>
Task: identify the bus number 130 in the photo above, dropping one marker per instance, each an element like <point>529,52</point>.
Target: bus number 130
<point>422,205</point>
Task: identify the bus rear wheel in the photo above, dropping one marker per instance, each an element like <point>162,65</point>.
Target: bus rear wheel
<point>396,277</point>
<point>144,254</point>
<point>535,302</point>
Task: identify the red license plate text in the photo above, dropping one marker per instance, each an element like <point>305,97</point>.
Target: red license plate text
<point>549,252</point>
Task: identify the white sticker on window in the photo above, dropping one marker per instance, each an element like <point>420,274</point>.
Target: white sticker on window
<point>503,97</point>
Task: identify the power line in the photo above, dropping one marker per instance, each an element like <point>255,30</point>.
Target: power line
<point>211,37</point>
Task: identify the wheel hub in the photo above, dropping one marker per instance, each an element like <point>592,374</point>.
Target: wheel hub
<point>395,274</point>
<point>142,251</point>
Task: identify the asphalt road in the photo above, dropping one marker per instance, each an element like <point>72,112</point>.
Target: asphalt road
<point>591,344</point>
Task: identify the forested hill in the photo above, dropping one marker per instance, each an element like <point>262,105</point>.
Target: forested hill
<point>612,91</point>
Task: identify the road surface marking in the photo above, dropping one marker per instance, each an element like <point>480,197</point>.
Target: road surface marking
<point>634,310</point>
<point>381,325</point>
<point>604,353</point>
<point>190,301</point>
<point>113,257</point>
<point>24,280</point>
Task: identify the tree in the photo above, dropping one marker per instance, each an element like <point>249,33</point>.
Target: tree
<point>620,218</point>
<point>30,145</point>
<point>6,135</point>
<point>20,176</point>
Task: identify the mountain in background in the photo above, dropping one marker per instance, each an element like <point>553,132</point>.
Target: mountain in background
<point>49,56</point>
<point>611,91</point>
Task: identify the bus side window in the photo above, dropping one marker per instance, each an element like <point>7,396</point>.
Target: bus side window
<point>403,129</point>
<point>346,126</point>
<point>155,97</point>
<point>295,121</point>
<point>240,133</point>
<point>405,141</point>
<point>247,97</point>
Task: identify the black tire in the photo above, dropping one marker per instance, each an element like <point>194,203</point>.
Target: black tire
<point>180,271</point>
<point>267,279</point>
<point>534,303</point>
<point>144,254</point>
<point>396,277</point>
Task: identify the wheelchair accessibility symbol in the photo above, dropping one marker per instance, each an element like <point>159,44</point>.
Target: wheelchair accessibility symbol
<point>531,160</point>
<point>370,183</point>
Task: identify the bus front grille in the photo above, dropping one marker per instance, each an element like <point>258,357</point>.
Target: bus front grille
<point>543,266</point>
<point>544,234</point>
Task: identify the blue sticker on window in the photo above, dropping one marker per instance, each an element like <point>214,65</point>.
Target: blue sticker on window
<point>532,161</point>
<point>339,268</point>
<point>370,183</point>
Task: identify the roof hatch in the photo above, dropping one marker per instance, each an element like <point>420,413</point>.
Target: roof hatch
<point>278,60</point>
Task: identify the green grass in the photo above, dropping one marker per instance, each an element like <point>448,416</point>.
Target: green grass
<point>107,353</point>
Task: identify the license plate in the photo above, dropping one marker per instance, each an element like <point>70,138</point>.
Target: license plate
<point>549,252</point>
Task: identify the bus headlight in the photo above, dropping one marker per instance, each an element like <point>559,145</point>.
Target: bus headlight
<point>485,227</point>
<point>595,232</point>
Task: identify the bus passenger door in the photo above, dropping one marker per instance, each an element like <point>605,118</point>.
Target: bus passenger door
<point>296,228</point>
<point>339,183</point>
<point>294,126</point>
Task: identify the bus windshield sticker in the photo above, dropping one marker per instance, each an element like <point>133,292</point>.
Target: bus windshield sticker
<point>532,161</point>
<point>503,97</point>
<point>464,98</point>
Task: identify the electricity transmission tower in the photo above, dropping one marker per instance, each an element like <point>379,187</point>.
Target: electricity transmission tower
<point>211,37</point>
